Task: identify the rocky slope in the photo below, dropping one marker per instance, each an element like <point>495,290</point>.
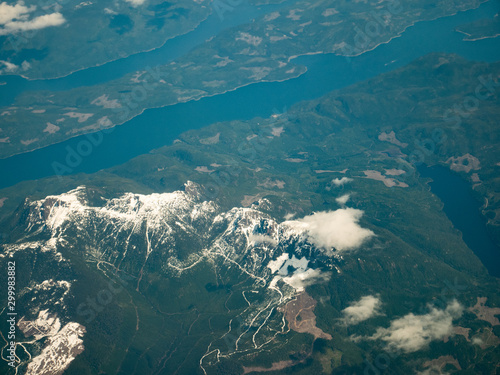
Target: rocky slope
<point>170,234</point>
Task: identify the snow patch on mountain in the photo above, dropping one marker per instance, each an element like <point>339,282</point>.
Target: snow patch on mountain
<point>58,290</point>
<point>43,246</point>
<point>174,233</point>
<point>62,345</point>
<point>60,350</point>
<point>46,324</point>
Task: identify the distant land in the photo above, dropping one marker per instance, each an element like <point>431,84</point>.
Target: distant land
<point>481,29</point>
<point>262,51</point>
<point>228,252</point>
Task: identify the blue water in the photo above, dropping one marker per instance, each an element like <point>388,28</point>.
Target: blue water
<point>158,127</point>
<point>464,212</point>
<point>169,51</point>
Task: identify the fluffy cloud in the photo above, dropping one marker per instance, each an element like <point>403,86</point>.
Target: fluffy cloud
<point>258,239</point>
<point>300,280</point>
<point>338,229</point>
<point>9,67</point>
<point>301,277</point>
<point>365,308</point>
<point>342,200</point>
<point>341,181</point>
<point>135,3</point>
<point>12,12</point>
<point>413,332</point>
<point>15,18</point>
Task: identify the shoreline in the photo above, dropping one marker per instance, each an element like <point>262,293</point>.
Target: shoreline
<point>157,107</point>
<point>470,38</point>
<point>466,39</point>
<point>112,60</point>
<point>413,23</point>
<point>251,83</point>
<point>211,14</point>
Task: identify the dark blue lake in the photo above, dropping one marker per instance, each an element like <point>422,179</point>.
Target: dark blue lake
<point>463,210</point>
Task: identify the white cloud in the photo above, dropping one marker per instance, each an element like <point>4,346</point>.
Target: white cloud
<point>258,239</point>
<point>301,277</point>
<point>135,3</point>
<point>338,229</point>
<point>413,332</point>
<point>41,22</point>
<point>12,12</point>
<point>341,181</point>
<point>477,341</point>
<point>25,65</point>
<point>299,280</point>
<point>15,18</point>
<point>342,200</point>
<point>365,308</point>
<point>9,67</point>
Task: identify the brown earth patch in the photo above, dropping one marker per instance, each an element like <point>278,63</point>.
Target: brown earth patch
<point>275,367</point>
<point>459,331</point>
<point>484,312</point>
<point>300,316</point>
<point>442,361</point>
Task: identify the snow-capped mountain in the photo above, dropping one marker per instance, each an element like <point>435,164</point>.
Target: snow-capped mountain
<point>173,230</point>
<point>170,234</point>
